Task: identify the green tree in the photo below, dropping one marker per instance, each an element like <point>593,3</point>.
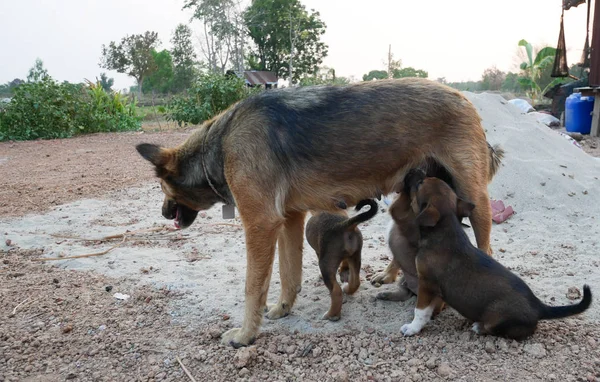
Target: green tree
<point>511,83</point>
<point>409,72</point>
<point>223,33</point>
<point>533,70</point>
<point>375,75</point>
<point>323,76</point>
<point>132,56</point>
<point>106,82</point>
<point>37,72</point>
<point>210,94</point>
<point>492,79</point>
<point>184,58</point>
<point>287,38</point>
<point>161,80</point>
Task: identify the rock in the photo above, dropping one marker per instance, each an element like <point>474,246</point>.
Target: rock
<point>243,356</point>
<point>341,376</point>
<point>536,350</point>
<point>214,332</point>
<point>414,362</point>
<point>573,293</point>
<point>244,372</point>
<point>444,370</point>
<point>316,351</point>
<point>592,342</point>
<point>490,347</point>
<point>552,377</point>
<point>363,354</point>
<point>430,364</point>
<point>290,349</point>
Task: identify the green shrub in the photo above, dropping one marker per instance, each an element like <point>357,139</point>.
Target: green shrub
<point>210,95</point>
<point>46,109</point>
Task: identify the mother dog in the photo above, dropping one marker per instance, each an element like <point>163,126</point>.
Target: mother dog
<point>284,152</point>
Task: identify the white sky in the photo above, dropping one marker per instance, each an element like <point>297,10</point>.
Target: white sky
<point>453,39</point>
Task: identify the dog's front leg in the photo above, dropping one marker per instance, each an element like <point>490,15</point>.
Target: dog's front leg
<point>427,301</point>
<point>291,239</point>
<point>260,248</point>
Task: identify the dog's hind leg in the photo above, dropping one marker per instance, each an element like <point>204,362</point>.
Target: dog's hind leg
<point>261,237</point>
<point>354,274</point>
<point>328,267</point>
<point>290,241</point>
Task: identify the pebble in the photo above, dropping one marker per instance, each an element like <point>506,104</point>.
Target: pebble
<point>592,342</point>
<point>444,369</point>
<point>490,347</point>
<point>537,350</point>
<point>430,364</point>
<point>341,376</point>
<point>243,372</point>
<point>243,356</point>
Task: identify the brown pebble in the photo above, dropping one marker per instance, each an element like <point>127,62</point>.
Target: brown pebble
<point>67,328</point>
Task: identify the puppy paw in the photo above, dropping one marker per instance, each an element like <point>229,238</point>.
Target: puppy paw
<point>381,278</point>
<point>346,288</point>
<point>236,338</point>
<point>477,328</point>
<point>409,330</point>
<point>278,311</point>
<point>331,317</point>
<point>402,294</point>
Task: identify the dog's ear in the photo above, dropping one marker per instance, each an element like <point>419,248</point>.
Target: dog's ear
<point>160,157</point>
<point>464,208</point>
<point>429,217</point>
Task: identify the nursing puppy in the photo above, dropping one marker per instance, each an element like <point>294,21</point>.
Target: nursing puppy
<point>403,239</point>
<point>470,281</point>
<point>336,238</point>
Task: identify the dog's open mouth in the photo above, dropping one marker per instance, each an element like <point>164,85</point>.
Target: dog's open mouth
<point>182,216</point>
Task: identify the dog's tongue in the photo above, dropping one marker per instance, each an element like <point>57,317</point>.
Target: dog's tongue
<point>176,221</point>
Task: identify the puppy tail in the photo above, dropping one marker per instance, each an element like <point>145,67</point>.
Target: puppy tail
<point>360,218</point>
<point>496,155</point>
<point>550,312</point>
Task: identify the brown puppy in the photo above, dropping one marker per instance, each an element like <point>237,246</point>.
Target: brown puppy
<point>283,152</point>
<point>335,237</point>
<point>403,240</point>
<point>470,281</point>
<point>395,239</point>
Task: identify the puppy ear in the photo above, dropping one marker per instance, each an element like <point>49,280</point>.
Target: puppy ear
<point>464,208</point>
<point>429,217</point>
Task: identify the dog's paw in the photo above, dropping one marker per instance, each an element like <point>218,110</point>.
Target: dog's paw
<point>477,328</point>
<point>277,311</point>
<point>331,317</point>
<point>381,278</point>
<point>409,330</point>
<point>350,291</point>
<point>402,294</point>
<point>236,338</point>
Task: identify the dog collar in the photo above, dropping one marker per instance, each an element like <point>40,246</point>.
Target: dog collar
<point>206,172</point>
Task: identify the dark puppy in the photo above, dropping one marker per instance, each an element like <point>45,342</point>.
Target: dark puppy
<point>335,237</point>
<point>470,281</point>
<point>403,239</point>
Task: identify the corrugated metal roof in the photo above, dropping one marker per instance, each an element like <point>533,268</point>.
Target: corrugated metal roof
<point>254,77</point>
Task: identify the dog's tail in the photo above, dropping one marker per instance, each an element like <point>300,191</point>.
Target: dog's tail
<point>496,155</point>
<point>361,218</point>
<point>550,312</point>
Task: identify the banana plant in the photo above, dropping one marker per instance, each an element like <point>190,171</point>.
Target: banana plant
<point>533,68</point>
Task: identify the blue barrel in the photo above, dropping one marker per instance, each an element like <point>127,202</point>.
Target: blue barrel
<point>578,113</point>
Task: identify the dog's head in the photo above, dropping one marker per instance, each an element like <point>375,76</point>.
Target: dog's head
<point>437,200</point>
<point>182,181</point>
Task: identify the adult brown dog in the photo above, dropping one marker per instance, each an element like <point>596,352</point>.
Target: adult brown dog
<point>403,245</point>
<point>336,238</point>
<point>466,278</point>
<point>283,152</point>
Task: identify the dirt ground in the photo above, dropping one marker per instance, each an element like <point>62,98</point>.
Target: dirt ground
<point>59,324</point>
